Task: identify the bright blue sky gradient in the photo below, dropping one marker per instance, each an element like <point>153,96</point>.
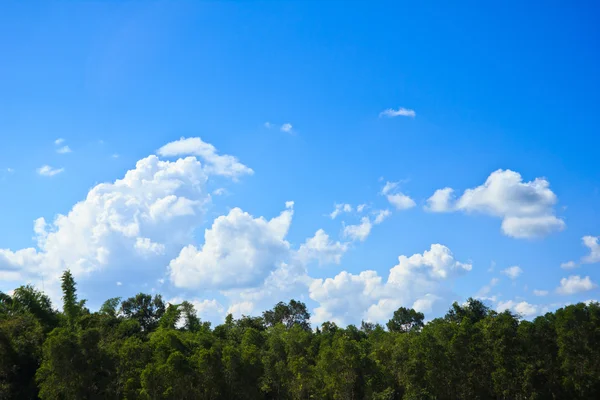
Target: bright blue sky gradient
<point>513,86</point>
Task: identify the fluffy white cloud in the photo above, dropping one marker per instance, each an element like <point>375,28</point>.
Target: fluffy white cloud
<point>149,215</point>
<point>415,280</point>
<point>568,265</point>
<point>340,208</point>
<point>591,242</point>
<point>225,165</point>
<point>526,208</point>
<point>287,127</point>
<point>396,198</point>
<point>46,170</point>
<point>381,215</point>
<point>523,308</point>
<point>63,150</point>
<point>513,272</point>
<point>440,201</point>
<point>575,284</point>
<point>401,112</point>
<point>238,251</point>
<point>360,231</point>
<point>540,292</point>
<point>321,248</point>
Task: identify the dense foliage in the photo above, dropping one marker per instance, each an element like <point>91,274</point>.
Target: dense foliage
<point>142,348</point>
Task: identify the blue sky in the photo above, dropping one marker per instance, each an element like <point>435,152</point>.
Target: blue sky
<point>511,88</point>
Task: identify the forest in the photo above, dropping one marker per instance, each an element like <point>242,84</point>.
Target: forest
<point>145,348</point>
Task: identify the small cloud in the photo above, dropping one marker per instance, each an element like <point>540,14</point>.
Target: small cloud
<point>119,283</point>
<point>161,281</point>
<point>268,125</point>
<point>513,272</point>
<point>10,170</point>
<point>115,155</point>
<point>219,191</point>
<point>360,231</point>
<point>360,208</point>
<point>59,141</point>
<point>47,170</point>
<point>591,242</point>
<point>63,150</point>
<point>289,204</point>
<point>492,266</point>
<point>287,127</point>
<point>381,215</point>
<point>340,208</point>
<point>568,265</point>
<point>540,292</point>
<point>401,112</point>
<point>575,284</point>
<point>396,198</point>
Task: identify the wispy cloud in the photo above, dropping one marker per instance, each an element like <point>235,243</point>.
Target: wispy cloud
<point>59,141</point>
<point>513,272</point>
<point>63,150</point>
<point>287,127</point>
<point>401,112</point>
<point>47,170</point>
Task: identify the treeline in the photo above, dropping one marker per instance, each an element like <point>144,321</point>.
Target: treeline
<point>142,348</point>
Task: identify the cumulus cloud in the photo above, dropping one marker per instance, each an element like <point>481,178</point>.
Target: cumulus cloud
<point>287,128</point>
<point>358,232</point>
<point>522,308</point>
<point>395,197</point>
<point>238,251</point>
<point>149,214</point>
<point>575,284</point>
<point>339,209</point>
<point>591,242</point>
<point>526,208</point>
<point>513,272</point>
<point>225,165</point>
<point>47,170</point>
<point>321,248</point>
<point>414,281</point>
<point>401,112</point>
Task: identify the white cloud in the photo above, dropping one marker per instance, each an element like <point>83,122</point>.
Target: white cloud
<point>575,284</point>
<point>63,150</point>
<point>115,155</point>
<point>523,308</point>
<point>119,283</point>
<point>540,292</point>
<point>591,242</point>
<point>59,141</point>
<point>268,125</point>
<point>10,170</point>
<point>340,208</point>
<point>321,248</point>
<point>526,208</point>
<point>239,251</point>
<point>287,127</point>
<point>360,231</point>
<point>396,198</point>
<point>415,280</point>
<point>381,215</point>
<point>513,272</point>
<point>47,170</point>
<point>360,208</point>
<point>240,309</point>
<point>404,112</point>
<point>149,215</point>
<point>224,165</point>
<point>440,201</point>
<point>147,247</point>
<point>568,265</point>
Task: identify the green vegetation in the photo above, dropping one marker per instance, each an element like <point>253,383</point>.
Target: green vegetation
<point>142,348</point>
